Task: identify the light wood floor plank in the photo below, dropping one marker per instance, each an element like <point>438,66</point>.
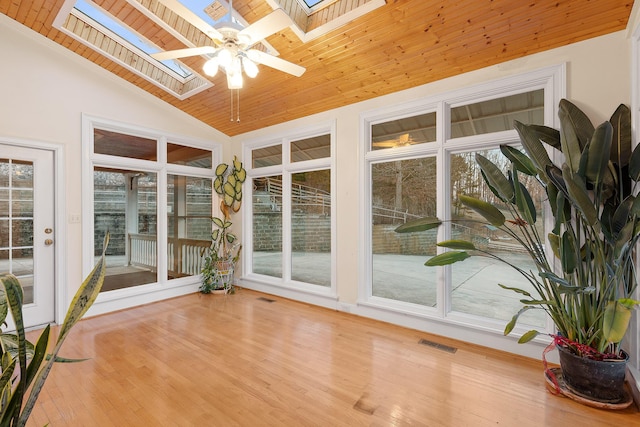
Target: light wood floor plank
<point>237,360</point>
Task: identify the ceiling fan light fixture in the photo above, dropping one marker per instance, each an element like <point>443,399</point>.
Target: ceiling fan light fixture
<point>225,57</point>
<point>210,67</point>
<point>250,67</point>
<point>234,80</point>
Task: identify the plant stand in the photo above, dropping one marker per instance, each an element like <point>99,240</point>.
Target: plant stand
<point>564,391</point>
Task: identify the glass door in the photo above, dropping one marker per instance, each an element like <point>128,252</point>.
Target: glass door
<point>27,236</point>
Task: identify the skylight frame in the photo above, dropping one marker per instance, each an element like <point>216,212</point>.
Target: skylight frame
<point>320,4</point>
<point>137,44</point>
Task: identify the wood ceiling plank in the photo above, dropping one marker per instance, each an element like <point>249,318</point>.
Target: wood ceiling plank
<point>400,45</point>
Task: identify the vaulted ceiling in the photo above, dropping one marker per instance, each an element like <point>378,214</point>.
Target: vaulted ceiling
<point>402,44</point>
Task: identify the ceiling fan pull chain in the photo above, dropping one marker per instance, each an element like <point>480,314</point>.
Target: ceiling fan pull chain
<point>231,94</point>
<point>238,105</point>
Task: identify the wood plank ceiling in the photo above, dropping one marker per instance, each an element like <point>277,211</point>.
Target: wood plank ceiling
<point>402,44</point>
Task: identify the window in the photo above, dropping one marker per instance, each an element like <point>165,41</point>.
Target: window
<point>291,220</point>
<point>158,213</point>
<point>418,160</point>
<point>16,222</point>
<point>474,287</point>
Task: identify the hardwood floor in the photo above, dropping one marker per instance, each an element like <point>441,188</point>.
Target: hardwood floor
<point>251,359</point>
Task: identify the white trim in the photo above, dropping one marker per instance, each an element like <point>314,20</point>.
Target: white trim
<point>634,329</point>
<point>458,325</point>
<point>67,10</point>
<point>332,24</point>
<point>285,285</point>
<point>60,224</point>
<point>163,288</point>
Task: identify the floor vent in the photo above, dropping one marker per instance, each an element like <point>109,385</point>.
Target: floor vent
<point>266,299</point>
<point>442,347</point>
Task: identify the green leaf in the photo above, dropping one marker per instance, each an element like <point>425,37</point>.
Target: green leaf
<point>487,210</point>
<point>86,294</point>
<point>528,336</point>
<point>516,290</point>
<point>634,164</point>
<point>598,153</point>
<point>572,117</point>
<point>221,169</point>
<point>229,189</point>
<point>218,222</point>
<point>458,245</point>
<point>512,323</point>
<point>38,355</point>
<point>569,258</point>
<point>217,185</point>
<point>615,322</point>
<point>531,142</point>
<point>538,302</point>
<point>621,147</point>
<point>523,201</point>
<point>554,175</point>
<point>447,258</point>
<point>621,215</point>
<point>520,160</point>
<point>4,308</point>
<point>82,301</point>
<point>422,224</point>
<point>237,164</point>
<point>548,135</point>
<point>623,240</point>
<point>492,188</point>
<point>580,198</point>
<point>241,175</point>
<point>495,177</point>
<point>554,240</point>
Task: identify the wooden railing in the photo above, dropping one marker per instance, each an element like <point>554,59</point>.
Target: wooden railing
<point>185,256</point>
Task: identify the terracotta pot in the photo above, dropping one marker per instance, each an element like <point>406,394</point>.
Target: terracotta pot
<point>601,381</point>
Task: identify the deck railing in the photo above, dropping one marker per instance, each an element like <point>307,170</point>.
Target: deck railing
<point>185,256</point>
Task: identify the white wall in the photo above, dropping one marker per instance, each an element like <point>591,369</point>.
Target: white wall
<point>598,80</point>
<point>45,88</point>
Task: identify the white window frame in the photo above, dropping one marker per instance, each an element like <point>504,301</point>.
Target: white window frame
<point>163,288</point>
<point>458,325</point>
<point>285,286</point>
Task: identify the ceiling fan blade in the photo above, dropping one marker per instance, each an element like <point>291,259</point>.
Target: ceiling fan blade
<point>192,18</point>
<point>263,28</point>
<point>385,144</point>
<point>400,141</point>
<point>275,62</point>
<point>182,53</point>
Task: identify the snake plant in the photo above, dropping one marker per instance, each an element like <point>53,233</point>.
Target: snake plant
<point>25,366</point>
<point>587,282</point>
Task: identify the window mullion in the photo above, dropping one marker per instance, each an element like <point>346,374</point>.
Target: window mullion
<point>443,204</point>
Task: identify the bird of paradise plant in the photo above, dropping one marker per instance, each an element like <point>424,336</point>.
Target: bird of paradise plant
<point>588,282</point>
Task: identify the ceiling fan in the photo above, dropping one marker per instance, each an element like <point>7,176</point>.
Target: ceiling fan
<point>401,141</point>
<point>233,50</point>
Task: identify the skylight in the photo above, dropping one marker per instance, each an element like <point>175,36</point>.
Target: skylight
<point>209,11</point>
<point>312,3</point>
<point>111,24</point>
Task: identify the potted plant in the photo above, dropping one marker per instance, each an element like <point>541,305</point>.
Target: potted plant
<point>223,253</point>
<point>587,282</point>
<point>220,258</point>
<point>25,366</point>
